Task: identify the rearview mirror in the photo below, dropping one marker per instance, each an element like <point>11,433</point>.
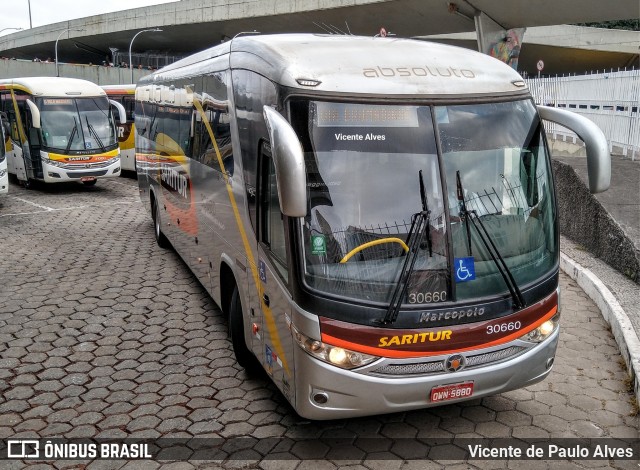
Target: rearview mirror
<point>35,114</point>
<point>288,159</point>
<point>598,156</point>
<point>122,114</point>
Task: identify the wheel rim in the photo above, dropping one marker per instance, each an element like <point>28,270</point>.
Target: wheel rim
<point>156,220</point>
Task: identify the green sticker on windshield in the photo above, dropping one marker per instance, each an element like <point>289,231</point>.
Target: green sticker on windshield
<point>318,245</point>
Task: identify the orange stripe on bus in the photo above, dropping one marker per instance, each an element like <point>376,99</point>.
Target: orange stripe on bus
<point>333,341</point>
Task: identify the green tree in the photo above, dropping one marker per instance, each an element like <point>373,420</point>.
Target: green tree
<point>633,25</point>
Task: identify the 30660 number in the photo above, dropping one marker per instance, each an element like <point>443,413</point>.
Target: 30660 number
<point>427,297</point>
<point>504,327</point>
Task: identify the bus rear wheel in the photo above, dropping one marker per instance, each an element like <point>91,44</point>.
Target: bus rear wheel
<point>161,240</point>
<point>244,356</point>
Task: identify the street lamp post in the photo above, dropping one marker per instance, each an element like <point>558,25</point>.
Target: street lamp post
<point>131,44</point>
<point>7,29</point>
<point>59,36</point>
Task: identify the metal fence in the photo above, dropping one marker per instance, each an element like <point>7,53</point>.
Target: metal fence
<point>610,99</point>
<point>149,60</point>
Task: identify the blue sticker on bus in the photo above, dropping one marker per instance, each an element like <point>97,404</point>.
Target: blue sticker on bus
<point>465,269</point>
<point>262,268</point>
<point>268,355</point>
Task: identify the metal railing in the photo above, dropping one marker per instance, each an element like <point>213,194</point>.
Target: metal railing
<point>610,99</point>
<point>149,60</point>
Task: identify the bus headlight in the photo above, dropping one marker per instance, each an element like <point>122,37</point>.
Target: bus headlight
<point>334,355</point>
<point>47,161</point>
<point>2,173</point>
<point>543,331</point>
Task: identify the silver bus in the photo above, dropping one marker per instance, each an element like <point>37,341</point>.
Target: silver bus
<point>375,216</point>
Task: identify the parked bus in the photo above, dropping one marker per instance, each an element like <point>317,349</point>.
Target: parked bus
<point>62,129</point>
<point>4,136</point>
<point>375,216</point>
<point>125,95</point>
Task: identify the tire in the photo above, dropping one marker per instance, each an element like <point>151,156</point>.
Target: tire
<point>161,240</point>
<point>244,356</point>
<point>90,183</point>
<point>28,184</point>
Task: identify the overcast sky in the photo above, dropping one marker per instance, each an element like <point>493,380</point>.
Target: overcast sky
<point>53,11</point>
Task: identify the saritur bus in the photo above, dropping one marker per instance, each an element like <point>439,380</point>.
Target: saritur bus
<point>62,129</point>
<point>125,95</point>
<point>375,216</point>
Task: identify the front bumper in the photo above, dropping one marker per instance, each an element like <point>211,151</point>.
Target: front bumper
<point>352,393</point>
<point>56,174</point>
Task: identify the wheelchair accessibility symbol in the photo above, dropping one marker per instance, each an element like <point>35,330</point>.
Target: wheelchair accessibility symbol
<point>465,269</point>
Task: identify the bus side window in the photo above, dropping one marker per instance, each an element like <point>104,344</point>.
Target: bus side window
<point>6,106</point>
<point>15,134</point>
<point>129,105</point>
<point>271,219</point>
<point>6,127</point>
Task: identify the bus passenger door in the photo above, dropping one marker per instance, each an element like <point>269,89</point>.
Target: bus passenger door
<point>277,348</point>
<point>34,166</point>
<point>15,157</point>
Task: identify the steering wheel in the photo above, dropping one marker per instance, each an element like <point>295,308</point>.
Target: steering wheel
<point>373,243</point>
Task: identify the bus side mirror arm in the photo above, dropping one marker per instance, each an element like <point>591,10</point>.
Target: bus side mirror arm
<point>598,156</point>
<point>35,114</point>
<point>288,159</point>
<point>122,114</point>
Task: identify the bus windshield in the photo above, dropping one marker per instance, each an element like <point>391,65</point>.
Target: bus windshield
<point>363,163</point>
<point>77,124</point>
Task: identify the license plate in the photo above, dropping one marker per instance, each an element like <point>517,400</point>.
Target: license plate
<point>87,178</point>
<point>451,392</point>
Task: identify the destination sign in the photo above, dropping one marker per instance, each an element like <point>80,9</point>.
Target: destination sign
<point>364,115</point>
<point>57,101</point>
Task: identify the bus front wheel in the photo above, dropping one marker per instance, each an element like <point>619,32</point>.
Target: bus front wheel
<point>244,356</point>
<point>161,239</point>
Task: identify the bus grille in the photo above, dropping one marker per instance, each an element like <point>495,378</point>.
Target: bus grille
<point>76,166</point>
<point>493,356</point>
<point>411,369</point>
<point>80,174</point>
<point>437,367</point>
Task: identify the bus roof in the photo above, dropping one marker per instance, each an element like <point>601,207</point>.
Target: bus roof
<point>128,89</point>
<point>353,64</point>
<point>53,86</point>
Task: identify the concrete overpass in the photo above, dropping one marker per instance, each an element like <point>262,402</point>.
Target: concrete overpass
<point>566,49</point>
<point>192,25</point>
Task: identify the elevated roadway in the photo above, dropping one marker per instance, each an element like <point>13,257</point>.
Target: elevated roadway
<point>566,49</point>
<point>192,25</point>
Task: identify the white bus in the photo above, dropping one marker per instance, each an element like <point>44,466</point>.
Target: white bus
<point>124,94</point>
<point>376,216</point>
<point>62,129</point>
<point>4,139</point>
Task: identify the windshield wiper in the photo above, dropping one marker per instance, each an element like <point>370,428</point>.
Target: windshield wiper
<point>74,131</point>
<point>95,134</point>
<point>487,241</point>
<point>415,240</point>
<point>463,210</point>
